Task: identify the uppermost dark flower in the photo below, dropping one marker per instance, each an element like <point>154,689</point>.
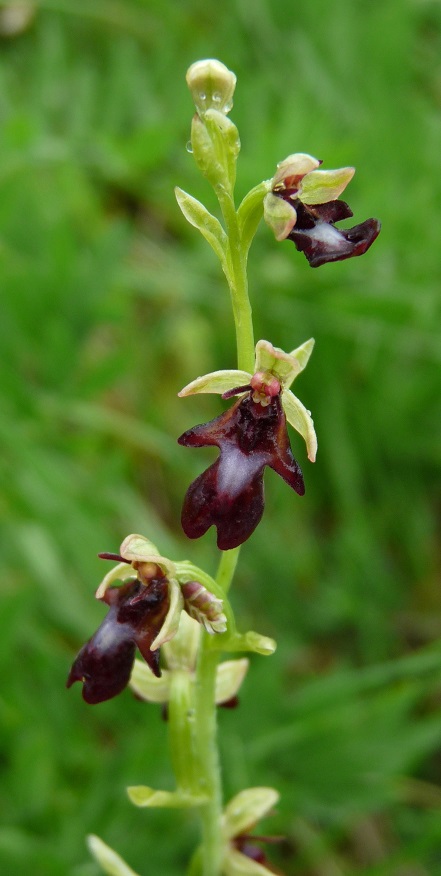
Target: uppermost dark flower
<point>303,206</point>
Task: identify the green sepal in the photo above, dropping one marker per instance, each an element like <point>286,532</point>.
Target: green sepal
<point>283,365</point>
<point>138,548</point>
<point>250,213</point>
<point>229,677</point>
<point>216,382</point>
<point>246,809</point>
<point>279,215</point>
<point>322,186</point>
<point>147,686</point>
<point>198,216</point>
<point>143,796</point>
<point>109,861</point>
<point>181,651</point>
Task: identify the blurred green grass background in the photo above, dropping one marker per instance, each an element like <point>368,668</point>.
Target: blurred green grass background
<point>110,304</point>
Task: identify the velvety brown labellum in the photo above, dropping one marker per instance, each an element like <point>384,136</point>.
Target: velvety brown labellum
<point>316,236</point>
<point>136,614</point>
<point>229,494</point>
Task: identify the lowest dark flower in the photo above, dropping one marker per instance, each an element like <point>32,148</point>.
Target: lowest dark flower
<point>134,619</point>
<point>244,855</point>
<point>144,613</point>
<point>250,435</point>
<point>303,206</point>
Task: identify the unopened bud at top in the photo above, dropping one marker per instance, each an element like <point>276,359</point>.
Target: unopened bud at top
<point>212,85</point>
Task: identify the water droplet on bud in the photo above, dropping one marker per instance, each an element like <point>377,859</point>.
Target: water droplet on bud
<point>189,147</point>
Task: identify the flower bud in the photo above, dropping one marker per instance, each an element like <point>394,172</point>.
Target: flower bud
<point>204,607</point>
<point>212,85</point>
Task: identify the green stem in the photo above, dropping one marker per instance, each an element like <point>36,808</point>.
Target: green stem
<point>210,782</point>
<point>226,568</point>
<point>238,282</point>
<point>181,718</point>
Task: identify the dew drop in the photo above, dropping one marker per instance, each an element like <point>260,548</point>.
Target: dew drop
<point>202,95</point>
<point>217,96</point>
<point>189,147</point>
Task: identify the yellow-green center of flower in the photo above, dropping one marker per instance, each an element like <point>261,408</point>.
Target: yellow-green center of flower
<point>147,571</point>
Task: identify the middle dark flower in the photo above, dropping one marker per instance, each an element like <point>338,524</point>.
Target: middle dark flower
<point>229,494</point>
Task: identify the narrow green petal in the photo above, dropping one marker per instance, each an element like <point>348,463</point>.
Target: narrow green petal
<point>142,795</point>
<point>111,863</point>
<point>229,677</point>
<point>217,382</point>
<point>118,573</point>
<point>171,623</point>
<point>147,686</point>
<point>321,186</point>
<point>247,808</point>
<point>300,419</point>
<point>236,864</point>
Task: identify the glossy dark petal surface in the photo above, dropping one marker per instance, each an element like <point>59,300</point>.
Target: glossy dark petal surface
<point>105,663</point>
<point>229,494</point>
<point>136,614</point>
<point>316,236</point>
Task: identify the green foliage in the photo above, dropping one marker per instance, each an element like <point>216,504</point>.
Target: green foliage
<point>110,304</point>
